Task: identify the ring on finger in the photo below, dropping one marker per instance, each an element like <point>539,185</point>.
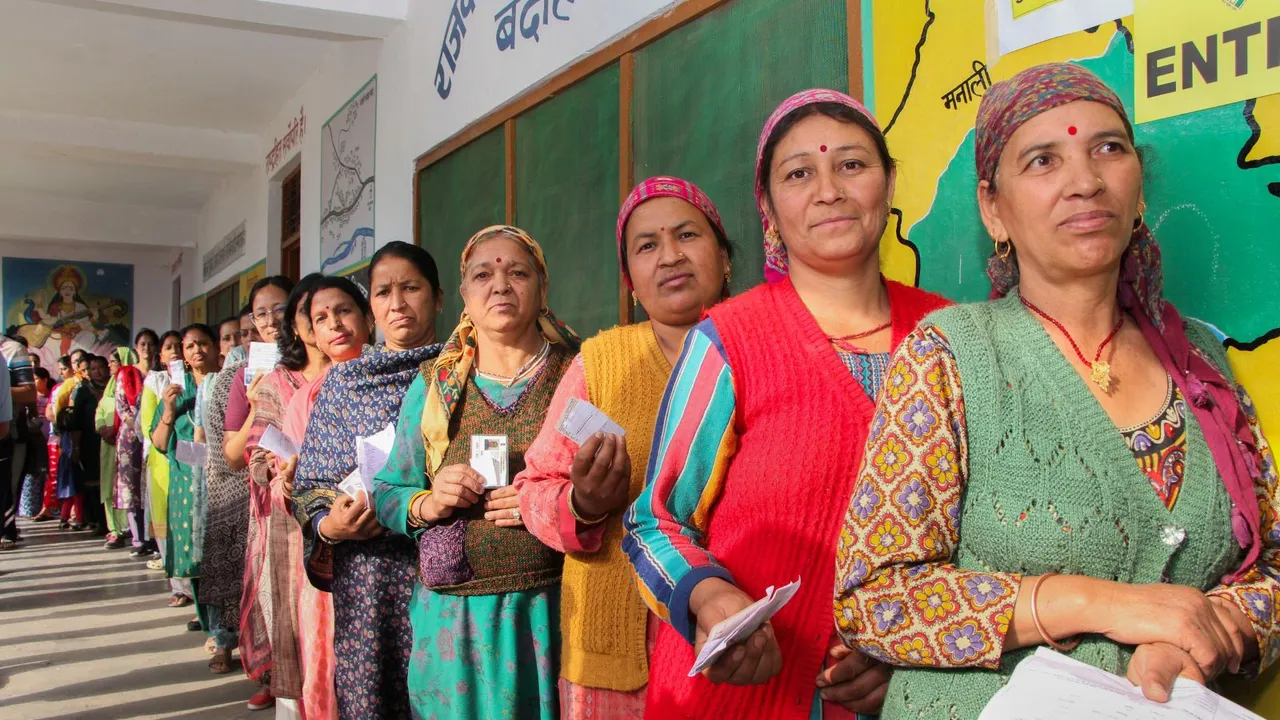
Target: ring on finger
<point>515,513</point>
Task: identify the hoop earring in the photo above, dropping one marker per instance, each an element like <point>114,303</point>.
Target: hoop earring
<point>1142,213</point>
<point>1004,248</point>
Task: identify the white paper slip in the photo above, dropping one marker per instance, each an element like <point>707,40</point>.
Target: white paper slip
<point>277,443</point>
<point>177,373</point>
<point>353,486</point>
<point>263,357</point>
<point>1050,685</point>
<point>735,629</point>
<point>580,420</point>
<point>489,458</point>
<point>192,453</point>
<point>372,453</point>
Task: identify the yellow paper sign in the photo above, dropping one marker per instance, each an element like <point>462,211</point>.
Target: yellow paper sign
<point>1195,54</point>
<point>1022,7</point>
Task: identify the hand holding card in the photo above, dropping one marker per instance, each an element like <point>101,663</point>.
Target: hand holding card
<point>178,373</point>
<point>580,420</point>
<point>489,458</point>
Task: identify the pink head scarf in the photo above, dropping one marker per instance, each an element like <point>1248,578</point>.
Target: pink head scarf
<point>1005,107</point>
<point>656,187</point>
<point>775,253</point>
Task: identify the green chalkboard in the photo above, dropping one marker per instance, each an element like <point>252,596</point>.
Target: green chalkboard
<point>457,196</point>
<point>703,92</point>
<point>566,194</point>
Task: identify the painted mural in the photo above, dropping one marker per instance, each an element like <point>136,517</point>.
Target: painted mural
<point>59,306</point>
<point>1213,184</point>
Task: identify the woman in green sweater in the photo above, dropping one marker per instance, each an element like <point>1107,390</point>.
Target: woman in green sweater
<point>1069,464</point>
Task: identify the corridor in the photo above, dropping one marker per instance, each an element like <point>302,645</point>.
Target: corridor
<point>85,634</point>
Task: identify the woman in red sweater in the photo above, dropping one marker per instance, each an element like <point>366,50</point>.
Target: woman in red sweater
<point>761,430</point>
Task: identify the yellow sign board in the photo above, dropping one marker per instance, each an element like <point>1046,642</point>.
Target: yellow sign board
<point>1197,54</point>
<point>247,280</point>
<point>1022,7</point>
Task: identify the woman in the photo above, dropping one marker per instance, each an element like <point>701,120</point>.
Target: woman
<point>173,424</point>
<point>486,607</point>
<point>341,324</point>
<point>675,257</point>
<point>75,406</point>
<point>155,465</point>
<point>267,297</point>
<point>147,345</point>
<point>226,518</point>
<point>706,537</point>
<point>370,575</point>
<point>51,502</point>
<point>36,481</point>
<point>1148,510</point>
<point>128,495</point>
<point>106,422</point>
<point>273,560</point>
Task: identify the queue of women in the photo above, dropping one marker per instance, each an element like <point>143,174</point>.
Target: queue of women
<point>1068,465</point>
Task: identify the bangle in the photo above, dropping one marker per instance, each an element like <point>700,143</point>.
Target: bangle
<point>1035,617</point>
<point>574,512</point>
<point>417,520</point>
<point>322,536</point>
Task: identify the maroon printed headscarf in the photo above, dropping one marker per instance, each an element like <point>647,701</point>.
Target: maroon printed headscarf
<point>656,187</point>
<point>1213,400</point>
<point>775,254</point>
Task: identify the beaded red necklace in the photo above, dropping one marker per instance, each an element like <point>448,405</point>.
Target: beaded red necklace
<point>1100,370</point>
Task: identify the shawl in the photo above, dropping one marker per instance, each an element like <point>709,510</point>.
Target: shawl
<point>358,398</point>
<point>128,470</point>
<point>775,253</point>
<point>226,510</point>
<point>1213,398</point>
<point>452,369</point>
<point>656,187</point>
<point>128,359</point>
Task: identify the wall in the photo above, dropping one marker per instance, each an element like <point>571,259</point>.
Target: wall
<point>412,118</point>
<point>152,282</point>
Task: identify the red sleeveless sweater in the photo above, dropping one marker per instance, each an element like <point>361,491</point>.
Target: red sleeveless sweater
<point>801,421</point>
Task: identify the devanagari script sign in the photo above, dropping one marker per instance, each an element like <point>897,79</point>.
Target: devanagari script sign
<point>493,50</point>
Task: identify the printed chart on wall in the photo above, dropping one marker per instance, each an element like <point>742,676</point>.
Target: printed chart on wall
<point>346,182</point>
<point>1213,175</point>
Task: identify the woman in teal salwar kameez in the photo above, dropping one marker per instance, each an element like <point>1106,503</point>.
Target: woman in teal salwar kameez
<point>486,606</point>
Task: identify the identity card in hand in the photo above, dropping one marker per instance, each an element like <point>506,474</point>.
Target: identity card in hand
<point>177,373</point>
<point>192,453</point>
<point>736,629</point>
<point>489,458</point>
<point>277,443</point>
<point>372,453</point>
<point>580,420</point>
<point>353,486</point>
<point>262,359</point>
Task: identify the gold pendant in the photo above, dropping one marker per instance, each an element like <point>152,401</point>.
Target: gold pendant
<point>1101,374</point>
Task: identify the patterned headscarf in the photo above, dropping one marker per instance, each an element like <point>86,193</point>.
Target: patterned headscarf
<point>775,253</point>
<point>452,369</point>
<point>656,187</point>
<point>1214,401</point>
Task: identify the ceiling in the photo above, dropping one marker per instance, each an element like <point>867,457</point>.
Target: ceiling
<point>154,103</point>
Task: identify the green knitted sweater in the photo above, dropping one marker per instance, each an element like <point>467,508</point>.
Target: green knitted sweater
<point>1040,443</point>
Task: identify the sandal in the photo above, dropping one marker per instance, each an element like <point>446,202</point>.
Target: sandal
<point>220,664</point>
<point>178,601</point>
<point>8,545</point>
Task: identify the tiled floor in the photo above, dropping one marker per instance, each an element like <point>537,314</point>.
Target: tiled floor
<point>85,634</point>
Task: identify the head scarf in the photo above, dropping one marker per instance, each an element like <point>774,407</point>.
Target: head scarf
<point>656,187</point>
<point>775,253</point>
<point>452,368</point>
<point>1214,402</point>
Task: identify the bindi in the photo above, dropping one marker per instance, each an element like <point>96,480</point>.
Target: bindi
<point>1072,130</point>
<point>498,260</point>
<point>823,148</point>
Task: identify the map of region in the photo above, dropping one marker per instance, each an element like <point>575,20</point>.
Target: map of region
<point>346,181</point>
<point>1212,186</point>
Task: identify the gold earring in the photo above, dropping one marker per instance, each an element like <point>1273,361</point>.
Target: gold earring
<point>772,235</point>
<point>1004,248</point>
<point>1142,212</point>
<point>635,301</point>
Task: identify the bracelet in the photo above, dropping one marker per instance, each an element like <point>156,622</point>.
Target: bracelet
<point>414,520</point>
<point>322,536</point>
<point>1035,618</point>
<point>574,512</point>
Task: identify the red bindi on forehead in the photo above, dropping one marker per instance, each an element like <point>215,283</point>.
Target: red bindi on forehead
<point>823,148</point>
<point>499,261</point>
<point>1072,130</point>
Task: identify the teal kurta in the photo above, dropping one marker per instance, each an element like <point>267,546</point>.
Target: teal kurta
<point>182,557</point>
<point>474,656</point>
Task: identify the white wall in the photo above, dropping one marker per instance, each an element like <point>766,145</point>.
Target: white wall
<point>412,118</point>
<point>152,283</point>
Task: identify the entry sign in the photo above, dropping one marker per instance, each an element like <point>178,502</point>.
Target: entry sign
<point>1195,54</point>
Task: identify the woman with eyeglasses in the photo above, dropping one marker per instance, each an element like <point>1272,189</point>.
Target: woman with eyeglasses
<point>267,300</point>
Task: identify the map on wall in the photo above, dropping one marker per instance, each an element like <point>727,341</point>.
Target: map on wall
<point>1212,176</point>
<point>346,182</point>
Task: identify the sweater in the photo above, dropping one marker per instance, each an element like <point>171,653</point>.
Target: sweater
<point>602,618</point>
<point>466,554</point>
<point>1038,498</point>
<point>784,491</point>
